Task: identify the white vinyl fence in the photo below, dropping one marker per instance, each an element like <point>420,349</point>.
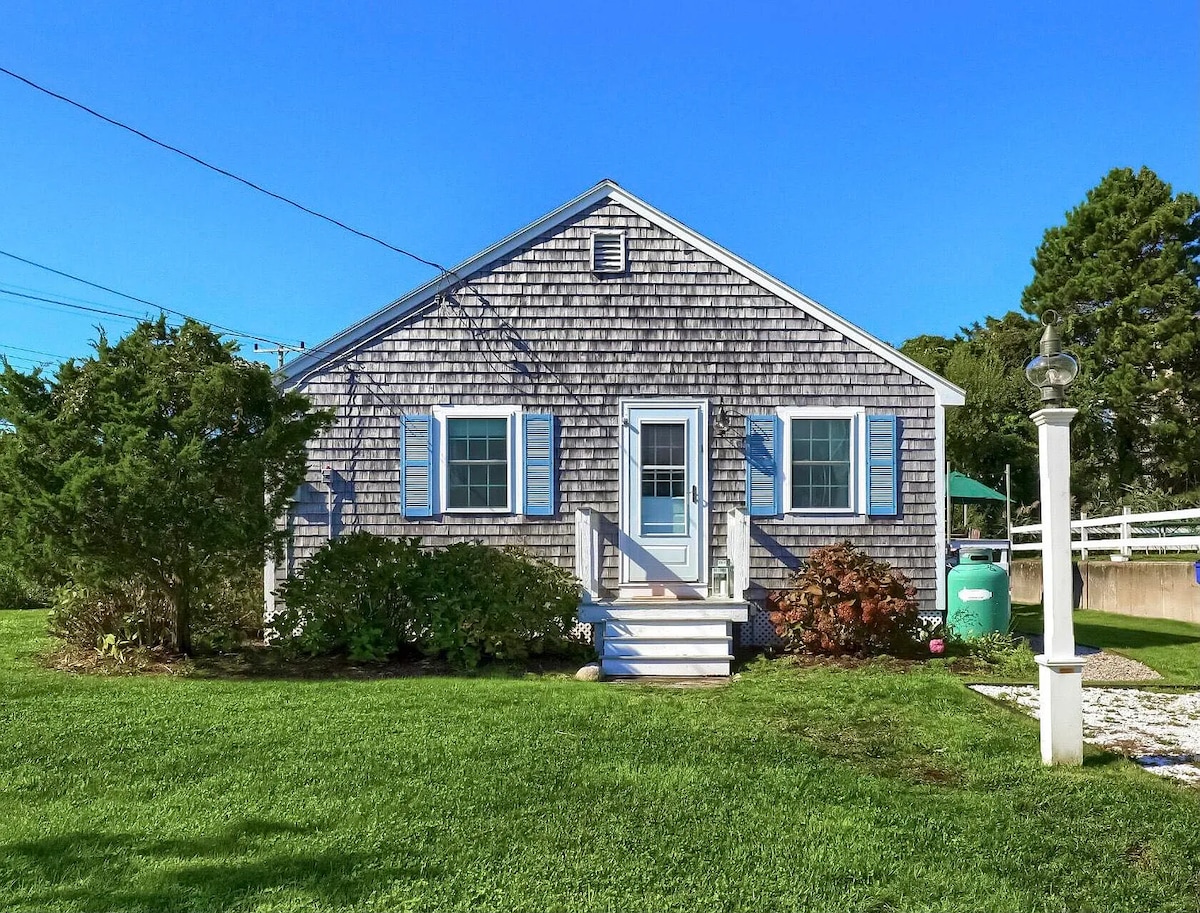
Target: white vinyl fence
<point>1166,531</point>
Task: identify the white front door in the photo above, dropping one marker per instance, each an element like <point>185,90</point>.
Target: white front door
<point>664,502</point>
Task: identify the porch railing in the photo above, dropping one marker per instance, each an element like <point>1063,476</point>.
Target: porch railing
<point>587,552</point>
<point>737,544</point>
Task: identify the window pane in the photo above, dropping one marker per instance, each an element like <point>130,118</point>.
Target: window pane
<point>477,462</point>
<point>822,452</point>
<point>664,478</point>
<point>662,444</point>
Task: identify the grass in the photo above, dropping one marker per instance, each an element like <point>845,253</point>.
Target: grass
<point>1171,648</point>
<point>817,789</point>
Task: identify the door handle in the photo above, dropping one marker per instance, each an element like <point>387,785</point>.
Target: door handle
<point>695,495</point>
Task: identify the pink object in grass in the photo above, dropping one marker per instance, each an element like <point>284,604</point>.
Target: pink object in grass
<point>937,645</point>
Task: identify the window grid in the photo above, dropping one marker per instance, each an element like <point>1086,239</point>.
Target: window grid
<point>821,463</point>
<point>477,463</point>
<point>664,477</point>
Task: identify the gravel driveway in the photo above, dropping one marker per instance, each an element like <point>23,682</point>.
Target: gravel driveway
<point>1160,731</point>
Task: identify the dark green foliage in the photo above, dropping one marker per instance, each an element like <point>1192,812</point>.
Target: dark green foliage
<point>1123,272</point>
<point>160,463</point>
<point>355,595</point>
<point>993,429</point>
<point>370,597</point>
<point>488,603</point>
<point>16,592</point>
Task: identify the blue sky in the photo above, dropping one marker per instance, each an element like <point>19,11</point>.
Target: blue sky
<point>897,162</point>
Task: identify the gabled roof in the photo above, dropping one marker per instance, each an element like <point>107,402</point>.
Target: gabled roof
<point>947,393</point>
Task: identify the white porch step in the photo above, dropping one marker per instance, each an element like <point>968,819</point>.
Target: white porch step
<point>677,648</point>
<point>667,638</point>
<point>668,630</point>
<point>664,610</point>
<point>672,668</point>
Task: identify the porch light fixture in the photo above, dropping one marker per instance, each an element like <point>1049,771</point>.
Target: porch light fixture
<point>1052,369</point>
<point>723,420</point>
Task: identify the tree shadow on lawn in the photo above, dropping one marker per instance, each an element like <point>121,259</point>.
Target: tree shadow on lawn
<point>1121,633</point>
<point>138,873</point>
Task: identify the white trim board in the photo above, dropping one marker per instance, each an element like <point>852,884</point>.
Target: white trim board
<point>947,393</point>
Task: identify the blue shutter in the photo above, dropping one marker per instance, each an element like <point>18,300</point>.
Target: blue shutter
<point>416,466</point>
<point>538,443</point>
<point>763,494</point>
<point>883,471</point>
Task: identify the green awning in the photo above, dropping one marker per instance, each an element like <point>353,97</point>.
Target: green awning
<point>970,491</point>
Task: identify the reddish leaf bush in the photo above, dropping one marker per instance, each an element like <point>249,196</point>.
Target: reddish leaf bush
<point>844,602</point>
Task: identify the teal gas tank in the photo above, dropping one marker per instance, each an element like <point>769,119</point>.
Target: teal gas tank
<point>978,600</point>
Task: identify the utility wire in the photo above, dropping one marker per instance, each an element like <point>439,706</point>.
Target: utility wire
<point>67,304</point>
<point>7,345</point>
<point>475,332</point>
<point>134,298</point>
<point>221,171</point>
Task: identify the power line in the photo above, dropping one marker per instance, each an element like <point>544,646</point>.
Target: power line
<point>221,171</point>
<point>67,304</point>
<point>134,298</point>
<point>475,332</point>
<point>8,345</point>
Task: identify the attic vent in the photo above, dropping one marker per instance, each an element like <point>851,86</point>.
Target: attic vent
<point>608,252</point>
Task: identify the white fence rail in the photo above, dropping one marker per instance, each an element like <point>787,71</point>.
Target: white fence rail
<point>1164,531</point>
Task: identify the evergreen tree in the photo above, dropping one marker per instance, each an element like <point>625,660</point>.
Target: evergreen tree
<point>163,459</point>
<point>1123,274</point>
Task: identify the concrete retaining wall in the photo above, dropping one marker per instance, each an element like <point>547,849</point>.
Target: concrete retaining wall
<point>1152,589</point>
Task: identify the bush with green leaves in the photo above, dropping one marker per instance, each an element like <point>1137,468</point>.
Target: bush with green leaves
<point>488,603</point>
<point>358,595</point>
<point>370,597</point>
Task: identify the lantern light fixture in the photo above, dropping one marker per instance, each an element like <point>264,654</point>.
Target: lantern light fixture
<point>1052,369</point>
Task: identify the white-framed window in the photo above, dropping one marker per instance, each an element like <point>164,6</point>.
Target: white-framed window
<point>479,462</point>
<point>823,459</point>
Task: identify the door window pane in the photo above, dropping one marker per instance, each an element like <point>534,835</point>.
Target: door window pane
<point>477,463</point>
<point>822,451</point>
<point>663,450</point>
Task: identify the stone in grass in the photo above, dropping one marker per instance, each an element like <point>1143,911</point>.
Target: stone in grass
<point>590,673</point>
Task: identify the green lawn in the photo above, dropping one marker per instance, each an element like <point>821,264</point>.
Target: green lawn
<point>1171,648</point>
<point>819,790</point>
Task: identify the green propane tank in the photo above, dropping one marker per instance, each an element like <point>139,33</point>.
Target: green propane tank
<point>978,591</point>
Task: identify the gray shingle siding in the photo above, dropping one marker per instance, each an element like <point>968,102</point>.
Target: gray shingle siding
<point>540,330</point>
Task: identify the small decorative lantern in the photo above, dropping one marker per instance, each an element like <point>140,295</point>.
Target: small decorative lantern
<point>721,578</point>
<point>1052,369</point>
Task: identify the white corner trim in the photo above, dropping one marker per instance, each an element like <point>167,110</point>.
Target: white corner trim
<point>516,456</point>
<point>337,346</point>
<point>858,474</point>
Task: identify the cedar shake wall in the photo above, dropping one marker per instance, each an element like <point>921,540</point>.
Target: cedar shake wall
<point>540,330</point>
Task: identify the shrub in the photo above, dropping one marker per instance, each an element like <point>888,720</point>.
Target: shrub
<point>489,603</point>
<point>16,592</point>
<point>353,585</point>
<point>844,602</point>
<point>90,617</point>
<point>368,597</point>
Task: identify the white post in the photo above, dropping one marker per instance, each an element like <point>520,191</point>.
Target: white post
<point>1061,673</point>
<point>737,543</point>
<point>587,553</point>
<point>1083,536</point>
<point>1126,549</point>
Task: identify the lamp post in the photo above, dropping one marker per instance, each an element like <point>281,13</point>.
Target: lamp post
<point>1060,675</point>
